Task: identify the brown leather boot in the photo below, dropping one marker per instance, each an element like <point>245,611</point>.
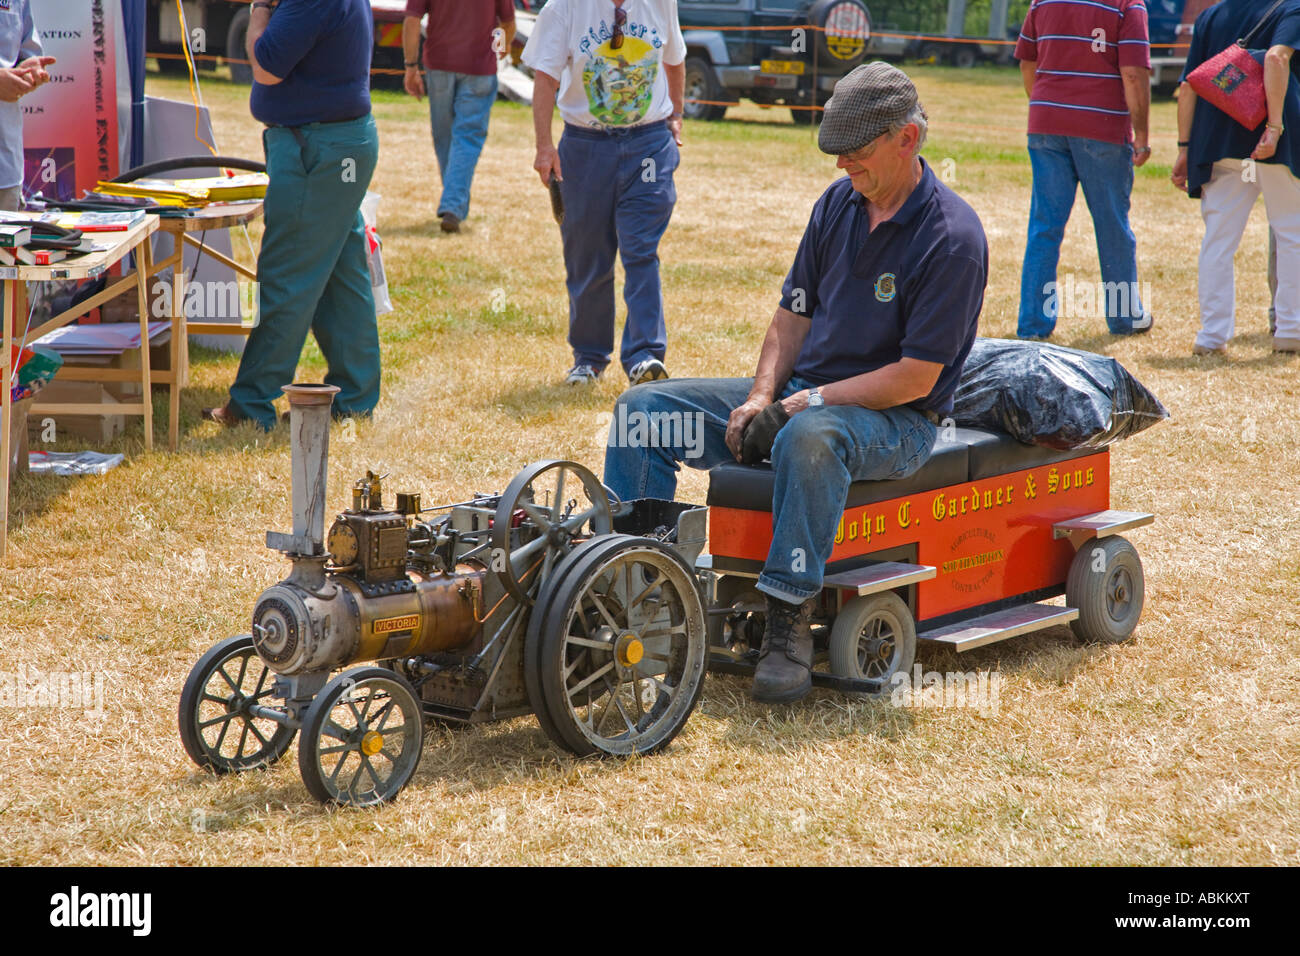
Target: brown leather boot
<point>784,672</point>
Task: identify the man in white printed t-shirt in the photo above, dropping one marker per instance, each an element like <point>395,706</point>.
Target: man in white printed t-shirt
<point>616,70</point>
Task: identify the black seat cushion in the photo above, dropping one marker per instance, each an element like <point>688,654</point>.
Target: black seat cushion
<point>968,455</point>
<point>749,487</point>
<point>997,453</point>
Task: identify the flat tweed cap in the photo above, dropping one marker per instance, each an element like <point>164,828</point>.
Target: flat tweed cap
<point>866,103</point>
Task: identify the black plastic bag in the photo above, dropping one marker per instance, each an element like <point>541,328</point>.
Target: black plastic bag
<point>1052,396</point>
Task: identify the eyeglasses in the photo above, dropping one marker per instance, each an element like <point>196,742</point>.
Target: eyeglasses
<point>865,152</point>
<point>620,18</point>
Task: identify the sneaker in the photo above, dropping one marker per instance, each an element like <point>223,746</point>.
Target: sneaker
<point>1209,350</point>
<point>450,223</point>
<point>1284,344</point>
<point>1144,324</point>
<point>647,370</point>
<point>581,375</point>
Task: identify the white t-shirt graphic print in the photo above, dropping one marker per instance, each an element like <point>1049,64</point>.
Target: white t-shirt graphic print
<point>601,86</point>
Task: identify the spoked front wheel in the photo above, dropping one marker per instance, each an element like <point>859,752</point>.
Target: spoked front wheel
<point>216,728</point>
<point>361,738</point>
<point>623,649</point>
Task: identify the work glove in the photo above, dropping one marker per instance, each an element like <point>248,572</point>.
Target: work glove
<point>760,434</point>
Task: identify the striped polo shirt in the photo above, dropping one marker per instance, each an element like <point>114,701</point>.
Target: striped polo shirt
<point>1079,46</point>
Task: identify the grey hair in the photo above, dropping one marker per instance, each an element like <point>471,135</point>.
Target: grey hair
<point>917,116</point>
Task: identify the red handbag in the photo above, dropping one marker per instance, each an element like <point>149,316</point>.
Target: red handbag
<point>1233,80</point>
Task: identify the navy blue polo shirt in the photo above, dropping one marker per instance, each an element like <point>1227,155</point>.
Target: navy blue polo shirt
<point>1215,134</point>
<point>912,288</point>
<point>321,51</point>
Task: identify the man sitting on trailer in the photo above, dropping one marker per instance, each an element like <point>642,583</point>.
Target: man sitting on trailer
<point>858,367</point>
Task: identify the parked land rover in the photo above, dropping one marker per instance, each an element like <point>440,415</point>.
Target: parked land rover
<point>763,50</point>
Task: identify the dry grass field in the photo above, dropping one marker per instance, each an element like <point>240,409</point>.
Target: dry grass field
<point>1180,747</point>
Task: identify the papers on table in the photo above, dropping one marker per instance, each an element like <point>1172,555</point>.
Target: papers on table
<point>72,462</point>
<point>108,338</point>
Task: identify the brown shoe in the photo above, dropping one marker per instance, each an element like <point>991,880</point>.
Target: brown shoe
<point>784,672</point>
<point>1206,350</point>
<point>450,223</point>
<point>223,415</point>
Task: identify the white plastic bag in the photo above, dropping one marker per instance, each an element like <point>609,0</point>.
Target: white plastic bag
<point>375,254</point>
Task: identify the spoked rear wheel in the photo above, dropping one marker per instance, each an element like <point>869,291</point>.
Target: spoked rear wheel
<point>623,649</point>
<point>216,728</point>
<point>361,738</point>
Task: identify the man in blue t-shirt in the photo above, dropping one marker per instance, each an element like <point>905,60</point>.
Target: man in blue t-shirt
<point>859,365</point>
<point>311,88</point>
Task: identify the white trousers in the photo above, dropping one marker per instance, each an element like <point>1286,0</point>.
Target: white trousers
<point>1226,201</point>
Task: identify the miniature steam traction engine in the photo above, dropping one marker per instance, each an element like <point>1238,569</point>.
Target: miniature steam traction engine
<point>601,617</point>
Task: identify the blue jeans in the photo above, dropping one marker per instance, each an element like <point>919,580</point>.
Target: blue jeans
<point>1105,170</point>
<point>459,107</point>
<point>618,197</point>
<point>817,455</point>
<point>311,270</point>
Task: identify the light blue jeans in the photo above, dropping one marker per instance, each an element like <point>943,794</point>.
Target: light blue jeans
<point>459,107</point>
<point>1105,170</point>
<point>817,455</point>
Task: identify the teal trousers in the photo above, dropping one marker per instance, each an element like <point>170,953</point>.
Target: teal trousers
<point>311,272</point>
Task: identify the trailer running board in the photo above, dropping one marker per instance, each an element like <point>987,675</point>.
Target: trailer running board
<point>999,625</point>
<point>1100,525</point>
<point>874,578</point>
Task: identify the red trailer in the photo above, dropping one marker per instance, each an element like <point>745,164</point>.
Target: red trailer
<point>965,552</point>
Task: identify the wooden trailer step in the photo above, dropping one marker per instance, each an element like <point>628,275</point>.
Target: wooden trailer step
<point>884,576</point>
<point>999,625</point>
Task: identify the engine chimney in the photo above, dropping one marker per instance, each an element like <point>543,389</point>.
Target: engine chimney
<point>309,434</point>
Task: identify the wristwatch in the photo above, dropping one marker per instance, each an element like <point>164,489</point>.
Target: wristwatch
<point>815,399</point>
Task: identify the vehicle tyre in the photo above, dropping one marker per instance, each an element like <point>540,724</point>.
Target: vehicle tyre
<point>930,53</point>
<point>235,36</point>
<point>623,650</point>
<point>173,65</point>
<point>873,637</point>
<point>361,738</point>
<point>1108,587</point>
<point>963,55</point>
<point>216,731</point>
<point>702,84</point>
<point>844,34</point>
<point>806,117</point>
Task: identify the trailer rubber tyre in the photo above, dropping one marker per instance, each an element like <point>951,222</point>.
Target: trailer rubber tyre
<point>361,738</point>
<point>216,731</point>
<point>702,84</point>
<point>873,637</point>
<point>1107,586</point>
<point>235,36</point>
